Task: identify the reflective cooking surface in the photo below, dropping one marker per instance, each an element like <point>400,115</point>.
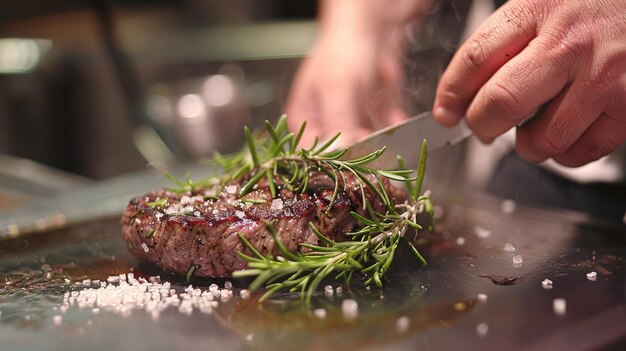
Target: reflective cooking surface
<point>440,302</point>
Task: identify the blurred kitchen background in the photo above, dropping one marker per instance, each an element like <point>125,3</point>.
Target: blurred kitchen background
<point>102,88</point>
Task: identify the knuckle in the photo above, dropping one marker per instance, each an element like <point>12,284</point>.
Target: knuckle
<point>473,55</point>
<point>521,13</point>
<point>502,99</point>
<point>588,150</point>
<point>604,82</point>
<point>567,40</point>
<point>548,146</point>
<point>564,127</point>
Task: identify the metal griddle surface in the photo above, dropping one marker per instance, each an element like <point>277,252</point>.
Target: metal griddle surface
<point>440,299</point>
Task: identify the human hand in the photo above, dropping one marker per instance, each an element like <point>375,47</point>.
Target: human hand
<point>567,55</point>
<point>351,82</point>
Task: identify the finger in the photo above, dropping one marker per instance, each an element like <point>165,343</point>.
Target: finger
<point>502,36</point>
<point>397,115</point>
<point>559,126</point>
<point>301,106</point>
<point>340,113</point>
<point>382,108</point>
<point>605,135</point>
<point>520,87</point>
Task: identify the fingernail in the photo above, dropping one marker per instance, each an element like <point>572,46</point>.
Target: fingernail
<point>446,117</point>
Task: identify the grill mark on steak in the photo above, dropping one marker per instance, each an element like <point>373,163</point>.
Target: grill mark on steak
<point>191,230</point>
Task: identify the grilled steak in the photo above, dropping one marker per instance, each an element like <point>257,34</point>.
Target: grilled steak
<point>195,230</point>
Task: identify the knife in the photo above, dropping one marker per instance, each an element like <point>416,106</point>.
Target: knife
<point>405,139</point>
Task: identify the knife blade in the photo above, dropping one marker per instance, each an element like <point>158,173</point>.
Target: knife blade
<point>405,139</point>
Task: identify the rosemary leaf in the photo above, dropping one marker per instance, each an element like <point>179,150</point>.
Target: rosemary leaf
<point>251,146</point>
<point>421,168</point>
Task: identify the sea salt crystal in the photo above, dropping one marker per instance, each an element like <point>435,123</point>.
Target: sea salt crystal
<point>482,329</point>
<point>215,211</point>
<point>546,284</point>
<point>508,206</point>
<point>174,208</point>
<point>145,247</point>
<point>67,281</point>
<point>240,214</point>
<point>460,241</point>
<point>185,200</point>
<point>349,309</point>
<point>339,291</point>
<point>508,247</point>
<point>244,294</point>
<point>402,324</point>
<point>277,205</point>
<point>482,297</point>
<point>57,319</point>
<point>328,291</point>
<point>482,232</point>
<point>226,295</point>
<point>517,260</point>
<point>592,276</point>
<point>559,306</point>
<point>196,213</point>
<point>319,313</point>
<point>213,287</point>
<point>228,285</point>
<point>86,282</point>
<point>231,189</point>
<point>95,310</point>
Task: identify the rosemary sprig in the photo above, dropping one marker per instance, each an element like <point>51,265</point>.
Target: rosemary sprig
<point>277,159</point>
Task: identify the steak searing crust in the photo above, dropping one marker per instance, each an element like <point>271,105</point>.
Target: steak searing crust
<point>199,230</point>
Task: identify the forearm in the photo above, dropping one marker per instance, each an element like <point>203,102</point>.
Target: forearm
<point>374,18</point>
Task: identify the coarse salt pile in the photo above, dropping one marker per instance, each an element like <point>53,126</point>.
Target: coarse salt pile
<point>277,205</point>
<point>402,324</point>
<point>349,309</point>
<point>482,232</point>
<point>482,329</point>
<point>592,276</point>
<point>328,291</point>
<point>482,297</point>
<point>546,284</point>
<point>319,313</point>
<point>123,293</point>
<point>559,306</point>
<point>508,247</point>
